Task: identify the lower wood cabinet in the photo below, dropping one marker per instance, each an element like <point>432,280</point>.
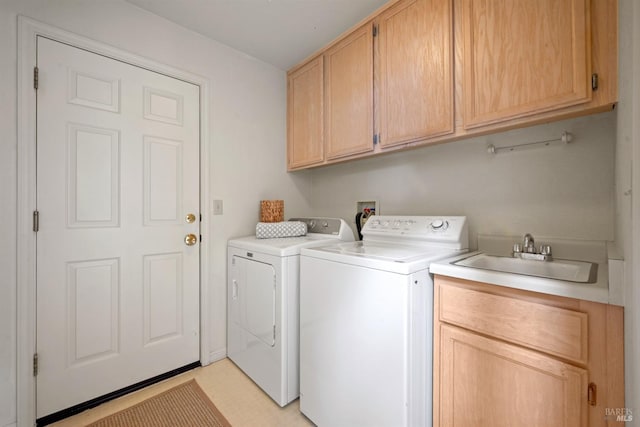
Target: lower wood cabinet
<point>505,357</point>
<point>492,383</point>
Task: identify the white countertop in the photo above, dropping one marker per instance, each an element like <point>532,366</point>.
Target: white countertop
<point>602,291</point>
<point>596,292</point>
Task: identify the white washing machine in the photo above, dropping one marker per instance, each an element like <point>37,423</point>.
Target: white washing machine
<point>263,304</point>
<point>366,320</point>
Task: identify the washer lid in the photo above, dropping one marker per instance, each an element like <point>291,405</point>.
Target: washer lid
<point>393,257</point>
<point>382,251</point>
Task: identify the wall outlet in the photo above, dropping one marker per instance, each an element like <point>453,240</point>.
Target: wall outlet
<point>216,208</point>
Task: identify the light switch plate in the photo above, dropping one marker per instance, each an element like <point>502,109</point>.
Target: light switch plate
<point>217,207</point>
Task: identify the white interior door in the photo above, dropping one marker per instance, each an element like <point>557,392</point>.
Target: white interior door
<point>117,174</point>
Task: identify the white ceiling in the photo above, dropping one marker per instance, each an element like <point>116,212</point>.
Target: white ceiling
<point>280,32</point>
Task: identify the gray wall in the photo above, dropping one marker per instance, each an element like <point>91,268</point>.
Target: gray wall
<point>559,191</point>
<point>574,191</point>
<point>628,207</point>
<point>247,141</point>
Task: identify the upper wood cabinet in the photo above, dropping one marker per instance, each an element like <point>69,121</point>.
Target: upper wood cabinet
<point>440,70</point>
<point>305,103</point>
<point>349,94</point>
<point>414,71</point>
<point>523,57</point>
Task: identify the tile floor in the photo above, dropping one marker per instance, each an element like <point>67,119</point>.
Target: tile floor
<point>234,394</point>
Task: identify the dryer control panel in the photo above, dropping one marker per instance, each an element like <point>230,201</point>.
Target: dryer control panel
<point>444,231</point>
<point>333,226</point>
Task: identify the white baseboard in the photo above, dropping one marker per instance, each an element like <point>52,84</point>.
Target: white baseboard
<point>220,354</point>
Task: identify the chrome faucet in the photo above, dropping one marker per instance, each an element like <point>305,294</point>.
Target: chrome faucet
<point>529,244</point>
<point>528,250</point>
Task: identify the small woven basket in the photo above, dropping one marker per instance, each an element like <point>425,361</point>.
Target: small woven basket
<point>271,210</point>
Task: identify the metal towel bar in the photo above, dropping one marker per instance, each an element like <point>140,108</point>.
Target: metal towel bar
<point>565,138</point>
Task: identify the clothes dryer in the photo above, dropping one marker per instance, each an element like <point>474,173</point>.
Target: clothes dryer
<point>263,304</point>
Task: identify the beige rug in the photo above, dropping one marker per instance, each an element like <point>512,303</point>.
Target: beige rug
<point>183,405</point>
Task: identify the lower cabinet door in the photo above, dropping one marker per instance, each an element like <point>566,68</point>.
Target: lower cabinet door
<point>490,383</point>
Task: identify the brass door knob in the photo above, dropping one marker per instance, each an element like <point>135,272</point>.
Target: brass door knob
<point>190,218</point>
<point>190,239</point>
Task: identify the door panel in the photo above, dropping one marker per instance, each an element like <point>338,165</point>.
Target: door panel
<point>163,291</point>
<point>93,179</point>
<point>162,180</point>
<point>415,71</point>
<point>254,298</point>
<point>94,330</point>
<point>349,95</point>
<point>93,91</point>
<point>117,172</point>
<point>305,115</point>
<point>523,57</point>
<point>489,383</point>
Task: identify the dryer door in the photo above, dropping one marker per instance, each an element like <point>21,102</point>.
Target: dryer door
<point>253,302</point>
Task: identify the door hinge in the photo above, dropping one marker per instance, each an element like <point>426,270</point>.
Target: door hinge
<point>594,81</point>
<point>375,30</point>
<point>35,364</point>
<point>35,78</point>
<point>375,139</point>
<point>592,394</point>
<point>36,221</point>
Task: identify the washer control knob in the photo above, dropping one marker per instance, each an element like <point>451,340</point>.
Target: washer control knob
<point>439,225</point>
<point>376,222</point>
<point>312,224</point>
<point>396,223</point>
<point>325,224</point>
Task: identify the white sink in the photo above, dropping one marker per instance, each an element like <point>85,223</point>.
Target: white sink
<point>559,269</point>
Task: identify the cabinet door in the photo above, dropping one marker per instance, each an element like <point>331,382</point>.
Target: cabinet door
<point>489,383</point>
<point>349,95</point>
<point>304,115</point>
<point>522,57</point>
<point>414,71</point>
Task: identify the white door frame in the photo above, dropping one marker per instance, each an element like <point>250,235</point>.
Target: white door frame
<point>28,30</point>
